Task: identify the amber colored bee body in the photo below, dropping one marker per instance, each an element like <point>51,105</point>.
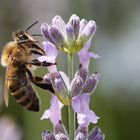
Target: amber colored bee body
<point>16,57</point>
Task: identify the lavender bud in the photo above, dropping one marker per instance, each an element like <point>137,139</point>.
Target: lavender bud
<point>60,24</point>
<point>75,22</point>
<point>58,83</point>
<point>96,134</point>
<point>76,86</point>
<point>81,133</point>
<point>83,73</point>
<point>83,23</point>
<point>61,136</point>
<point>91,83</point>
<point>89,29</point>
<point>60,128</point>
<point>45,32</point>
<point>56,36</point>
<point>59,87</point>
<point>70,33</point>
<point>47,135</point>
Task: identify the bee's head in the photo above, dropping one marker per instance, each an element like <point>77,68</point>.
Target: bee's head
<point>23,35</point>
<point>20,36</point>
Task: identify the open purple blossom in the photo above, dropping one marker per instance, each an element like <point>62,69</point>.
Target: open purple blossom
<point>85,116</point>
<point>54,113</point>
<point>84,55</point>
<point>70,37</point>
<point>51,55</point>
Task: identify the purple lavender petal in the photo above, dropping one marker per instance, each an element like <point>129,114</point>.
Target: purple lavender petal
<point>84,55</point>
<point>93,55</point>
<point>85,119</point>
<point>80,105</point>
<point>51,53</point>
<point>54,113</point>
<point>50,49</point>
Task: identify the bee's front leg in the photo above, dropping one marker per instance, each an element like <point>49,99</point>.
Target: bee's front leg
<point>40,82</point>
<point>38,63</point>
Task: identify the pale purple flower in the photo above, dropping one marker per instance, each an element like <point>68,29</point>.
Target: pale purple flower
<point>85,116</point>
<point>85,55</point>
<point>54,113</point>
<point>51,55</point>
<point>70,37</point>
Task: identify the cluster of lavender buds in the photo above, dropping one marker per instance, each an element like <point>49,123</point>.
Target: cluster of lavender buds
<point>71,90</point>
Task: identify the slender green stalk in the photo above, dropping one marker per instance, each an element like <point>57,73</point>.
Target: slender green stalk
<point>70,66</point>
<point>71,113</point>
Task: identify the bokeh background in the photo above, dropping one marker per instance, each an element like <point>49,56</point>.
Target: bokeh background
<point>117,41</point>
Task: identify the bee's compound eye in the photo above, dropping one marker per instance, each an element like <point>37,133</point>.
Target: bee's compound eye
<point>23,37</point>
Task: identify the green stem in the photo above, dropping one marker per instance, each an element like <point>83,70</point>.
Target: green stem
<point>71,122</point>
<point>70,66</point>
<point>71,113</point>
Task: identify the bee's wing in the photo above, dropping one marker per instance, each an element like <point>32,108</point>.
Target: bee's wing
<point>6,92</point>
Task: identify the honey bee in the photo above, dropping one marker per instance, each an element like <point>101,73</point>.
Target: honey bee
<point>17,56</point>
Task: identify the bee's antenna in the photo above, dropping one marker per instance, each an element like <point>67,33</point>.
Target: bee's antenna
<point>31,25</point>
<point>37,35</point>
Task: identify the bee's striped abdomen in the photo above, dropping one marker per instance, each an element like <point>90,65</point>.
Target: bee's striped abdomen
<point>26,96</point>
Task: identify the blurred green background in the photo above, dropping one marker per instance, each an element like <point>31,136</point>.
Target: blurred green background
<point>117,41</point>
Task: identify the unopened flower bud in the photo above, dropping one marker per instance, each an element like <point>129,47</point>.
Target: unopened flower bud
<point>45,32</point>
<point>60,24</point>
<point>59,87</point>
<point>89,29</point>
<point>70,34</point>
<point>47,135</point>
<point>76,86</point>
<point>83,23</point>
<point>96,134</point>
<point>75,22</point>
<point>83,73</point>
<point>57,37</point>
<point>91,83</point>
<point>81,133</point>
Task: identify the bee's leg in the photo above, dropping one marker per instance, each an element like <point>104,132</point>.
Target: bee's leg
<point>40,82</point>
<point>38,63</point>
<point>24,41</point>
